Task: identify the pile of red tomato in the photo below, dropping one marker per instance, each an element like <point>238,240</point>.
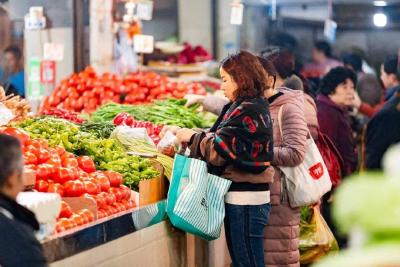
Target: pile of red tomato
<point>68,219</point>
<point>64,114</point>
<point>58,171</point>
<point>85,91</point>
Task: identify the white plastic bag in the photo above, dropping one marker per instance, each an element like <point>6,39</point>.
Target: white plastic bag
<point>307,182</point>
<point>168,145</point>
<point>6,115</point>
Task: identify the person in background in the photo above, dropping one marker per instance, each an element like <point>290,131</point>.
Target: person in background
<point>12,77</point>
<point>284,63</point>
<point>336,95</point>
<point>322,60</point>
<point>18,244</point>
<point>281,236</point>
<point>383,131</point>
<point>239,147</point>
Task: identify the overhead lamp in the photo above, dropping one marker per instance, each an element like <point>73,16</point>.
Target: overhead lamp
<point>380,20</point>
<point>380,3</point>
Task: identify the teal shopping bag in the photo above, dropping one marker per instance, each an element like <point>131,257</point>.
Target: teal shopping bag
<point>195,201</point>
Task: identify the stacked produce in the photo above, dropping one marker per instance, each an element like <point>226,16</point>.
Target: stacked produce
<point>108,154</point>
<point>19,106</point>
<point>58,171</point>
<point>125,119</point>
<point>167,112</point>
<point>68,219</point>
<point>64,114</point>
<point>85,91</point>
<point>191,55</point>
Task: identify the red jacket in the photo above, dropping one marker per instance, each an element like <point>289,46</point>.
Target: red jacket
<point>334,121</point>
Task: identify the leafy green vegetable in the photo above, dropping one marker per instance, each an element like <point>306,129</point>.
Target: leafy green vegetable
<point>168,112</point>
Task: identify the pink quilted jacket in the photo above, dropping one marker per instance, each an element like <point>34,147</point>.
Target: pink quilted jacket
<point>281,236</point>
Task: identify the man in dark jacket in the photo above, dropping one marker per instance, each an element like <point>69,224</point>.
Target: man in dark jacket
<point>382,132</point>
<point>18,245</point>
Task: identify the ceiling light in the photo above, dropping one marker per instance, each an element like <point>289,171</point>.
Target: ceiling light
<point>380,3</point>
<point>380,20</point>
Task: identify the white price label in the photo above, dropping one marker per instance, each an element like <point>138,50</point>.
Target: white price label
<point>237,14</point>
<point>53,51</point>
<point>144,10</point>
<point>330,30</point>
<point>143,43</point>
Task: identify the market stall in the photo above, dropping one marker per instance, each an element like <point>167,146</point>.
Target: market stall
<point>94,147</point>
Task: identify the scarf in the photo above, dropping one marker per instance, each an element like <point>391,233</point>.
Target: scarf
<point>243,134</point>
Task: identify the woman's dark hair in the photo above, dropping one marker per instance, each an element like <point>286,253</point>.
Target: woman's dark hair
<point>247,72</point>
<point>282,59</point>
<point>355,61</point>
<point>335,77</point>
<point>390,66</point>
<point>10,157</point>
<point>268,67</point>
<point>324,47</point>
<point>15,51</point>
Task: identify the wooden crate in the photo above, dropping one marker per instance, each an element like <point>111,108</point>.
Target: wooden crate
<point>153,190</point>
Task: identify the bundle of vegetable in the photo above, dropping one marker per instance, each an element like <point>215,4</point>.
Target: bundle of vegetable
<point>64,114</point>
<point>108,154</point>
<point>125,119</point>
<point>19,106</point>
<point>167,112</point>
<point>134,143</point>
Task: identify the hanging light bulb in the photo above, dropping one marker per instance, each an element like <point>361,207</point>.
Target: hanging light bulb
<point>380,20</point>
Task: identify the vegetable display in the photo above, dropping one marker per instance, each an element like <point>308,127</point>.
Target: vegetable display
<point>108,154</point>
<point>140,145</point>
<point>168,112</point>
<point>87,90</point>
<point>19,106</point>
<point>125,119</point>
<point>58,171</point>
<point>98,129</point>
<point>64,114</point>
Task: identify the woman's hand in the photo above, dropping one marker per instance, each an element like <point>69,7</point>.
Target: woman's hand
<point>194,99</point>
<point>172,129</point>
<point>184,135</point>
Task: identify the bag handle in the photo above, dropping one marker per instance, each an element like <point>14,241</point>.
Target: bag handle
<point>280,114</point>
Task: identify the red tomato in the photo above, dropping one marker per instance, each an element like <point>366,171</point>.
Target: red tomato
<point>101,200</point>
<point>41,185</point>
<point>74,188</point>
<point>65,224</point>
<point>119,195</point>
<point>67,155</point>
<point>69,162</point>
<point>115,178</point>
<point>63,175</point>
<point>110,198</point>
<point>126,192</point>
<point>66,211</point>
<point>88,214</point>
<point>83,175</point>
<point>102,180</point>
<point>56,188</point>
<point>78,219</point>
<point>30,158</point>
<point>21,135</point>
<point>44,171</point>
<point>60,150</point>
<point>54,160</point>
<point>43,155</point>
<point>91,187</point>
<point>87,164</point>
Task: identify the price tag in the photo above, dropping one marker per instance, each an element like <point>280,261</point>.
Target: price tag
<point>237,14</point>
<point>35,89</point>
<point>143,43</point>
<point>330,30</point>
<point>47,72</point>
<point>35,20</point>
<point>53,51</point>
<point>144,10</point>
